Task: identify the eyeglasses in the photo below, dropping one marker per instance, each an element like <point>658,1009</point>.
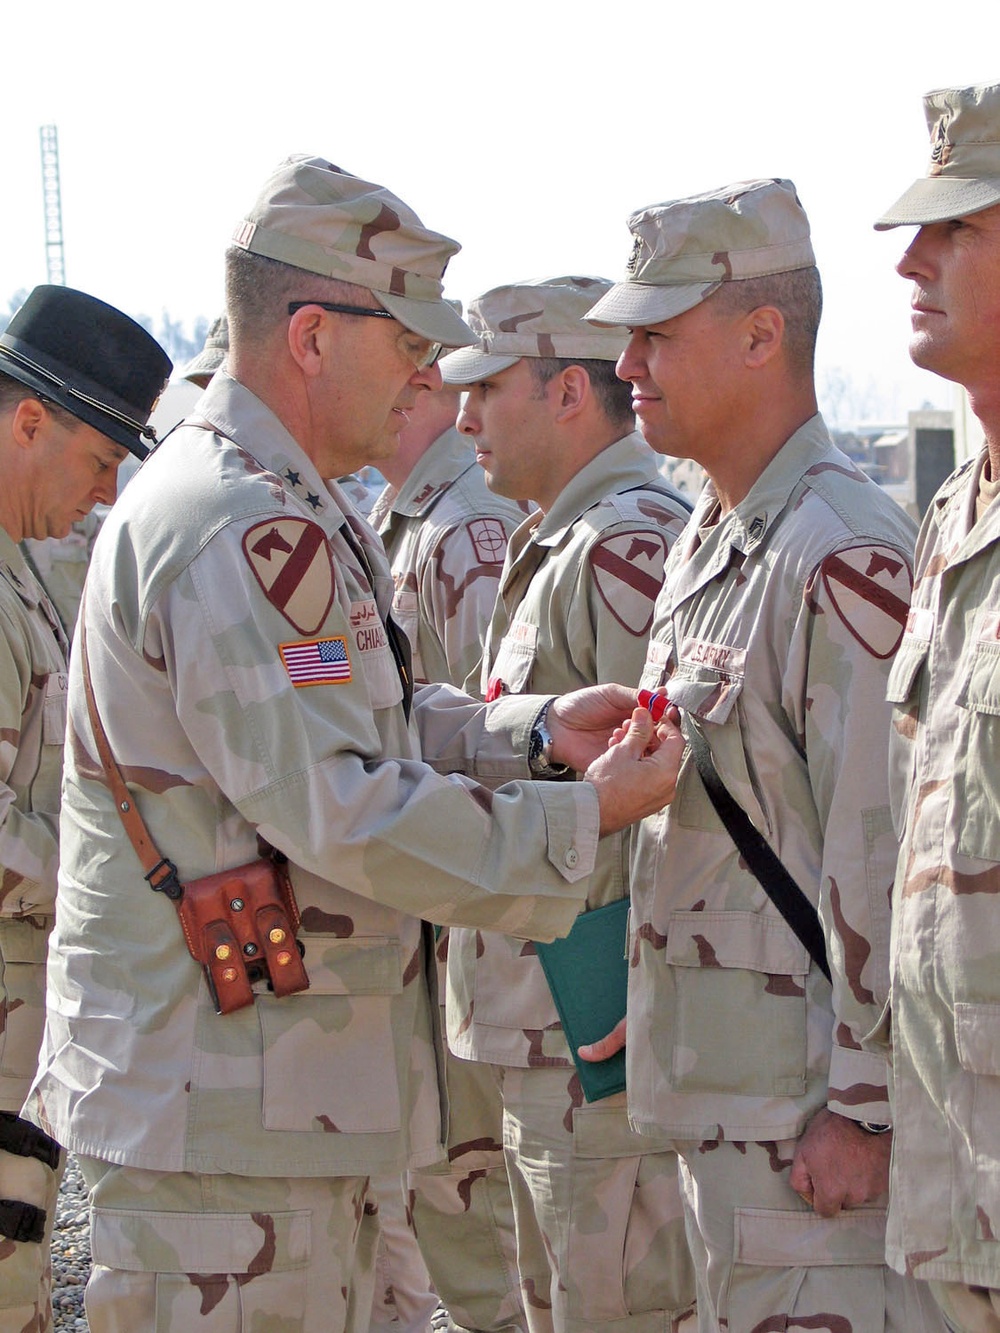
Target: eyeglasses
<point>422,357</point>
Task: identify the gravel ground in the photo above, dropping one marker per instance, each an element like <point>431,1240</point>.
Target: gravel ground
<point>70,1252</point>
<point>71,1256</point>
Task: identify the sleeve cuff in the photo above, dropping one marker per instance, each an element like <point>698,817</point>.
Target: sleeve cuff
<point>859,1086</point>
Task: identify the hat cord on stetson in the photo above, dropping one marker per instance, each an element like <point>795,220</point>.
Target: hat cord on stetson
<point>143,428</point>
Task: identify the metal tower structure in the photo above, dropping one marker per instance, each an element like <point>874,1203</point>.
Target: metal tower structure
<point>54,259</point>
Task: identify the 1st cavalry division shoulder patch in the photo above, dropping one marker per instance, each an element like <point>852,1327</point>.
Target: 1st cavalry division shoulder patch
<point>317,661</point>
<point>290,559</point>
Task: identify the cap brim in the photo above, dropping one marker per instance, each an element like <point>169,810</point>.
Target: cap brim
<point>83,411</point>
<point>939,199</point>
<point>436,320</point>
<point>205,363</point>
<point>469,365</point>
<point>635,304</point>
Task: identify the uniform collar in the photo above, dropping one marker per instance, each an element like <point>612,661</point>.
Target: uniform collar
<point>238,414</point>
<point>435,472</point>
<point>622,466</point>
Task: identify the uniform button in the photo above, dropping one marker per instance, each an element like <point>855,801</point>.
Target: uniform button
<point>572,857</point>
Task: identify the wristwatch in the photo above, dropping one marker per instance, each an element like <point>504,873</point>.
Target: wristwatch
<point>540,745</point>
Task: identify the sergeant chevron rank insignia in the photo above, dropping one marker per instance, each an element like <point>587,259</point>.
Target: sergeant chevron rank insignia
<point>628,571</point>
<point>291,562</point>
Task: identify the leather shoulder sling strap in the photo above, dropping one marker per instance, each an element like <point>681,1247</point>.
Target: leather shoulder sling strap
<point>239,924</point>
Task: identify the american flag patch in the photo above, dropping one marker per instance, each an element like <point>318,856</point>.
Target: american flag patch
<point>316,661</point>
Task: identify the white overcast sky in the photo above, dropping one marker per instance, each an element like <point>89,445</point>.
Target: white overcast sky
<point>526,129</point>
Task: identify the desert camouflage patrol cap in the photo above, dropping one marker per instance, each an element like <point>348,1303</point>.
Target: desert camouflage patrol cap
<point>212,355</point>
<point>543,317</point>
<point>963,175</point>
<point>682,250</point>
<point>314,216</point>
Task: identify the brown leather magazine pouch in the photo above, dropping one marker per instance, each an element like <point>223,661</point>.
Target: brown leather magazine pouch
<point>240,925</point>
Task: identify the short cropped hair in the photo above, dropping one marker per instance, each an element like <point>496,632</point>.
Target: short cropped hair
<point>613,395</point>
<point>12,391</point>
<point>259,289</point>
<point>798,294</point>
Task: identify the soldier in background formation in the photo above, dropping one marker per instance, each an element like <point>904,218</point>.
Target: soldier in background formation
<point>781,609</point>
<point>944,1209</point>
<point>600,1231</point>
<point>249,693</point>
<point>445,536</point>
<point>77,381</point>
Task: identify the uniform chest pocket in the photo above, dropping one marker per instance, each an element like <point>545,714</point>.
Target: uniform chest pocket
<point>713,699</point>
<point>977,774</point>
<point>54,697</point>
<point>902,690</point>
<point>370,649</point>
<point>406,614</point>
<point>740,981</point>
<point>514,661</point>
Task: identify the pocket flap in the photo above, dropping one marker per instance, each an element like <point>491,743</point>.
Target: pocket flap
<point>774,1238</point>
<point>982,689</point>
<point>24,941</point>
<point>907,662</point>
<point>367,965</point>
<point>140,1242</point>
<point>735,939</point>
<point>708,695</point>
<point>977,1036</point>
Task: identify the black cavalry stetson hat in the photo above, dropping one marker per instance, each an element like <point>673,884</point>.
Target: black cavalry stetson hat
<point>89,358</point>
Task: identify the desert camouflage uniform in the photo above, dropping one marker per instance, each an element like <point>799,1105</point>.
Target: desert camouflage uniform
<point>357,492</point>
<point>244,564</point>
<point>33,679</point>
<point>600,1232</point>
<point>944,1216</point>
<point>774,633</point>
<point>446,534</point>
<point>61,564</point>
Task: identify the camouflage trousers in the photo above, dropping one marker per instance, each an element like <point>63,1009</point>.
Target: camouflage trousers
<point>599,1219</point>
<point>462,1210</point>
<point>181,1253</point>
<point>404,1297</point>
<point>968,1309</point>
<point>766,1261</point>
<point>26,1267</point>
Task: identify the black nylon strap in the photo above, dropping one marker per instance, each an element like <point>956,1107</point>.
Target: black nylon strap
<point>21,1221</point>
<point>24,1139</point>
<point>764,865</point>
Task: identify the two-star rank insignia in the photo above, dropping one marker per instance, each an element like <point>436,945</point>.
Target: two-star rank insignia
<point>290,559</point>
<point>628,572</point>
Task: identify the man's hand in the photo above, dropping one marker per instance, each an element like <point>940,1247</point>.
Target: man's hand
<point>637,775</point>
<point>581,723</point>
<point>838,1164</point>
<point>606,1047</point>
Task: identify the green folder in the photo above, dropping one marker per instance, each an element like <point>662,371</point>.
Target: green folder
<point>587,974</point>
